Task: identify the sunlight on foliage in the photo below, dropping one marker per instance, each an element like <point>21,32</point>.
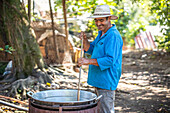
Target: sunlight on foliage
<point>133,16</point>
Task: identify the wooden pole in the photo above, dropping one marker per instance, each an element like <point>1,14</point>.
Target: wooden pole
<point>65,21</point>
<point>78,92</point>
<point>13,105</point>
<point>29,11</point>
<point>57,56</point>
<point>13,99</point>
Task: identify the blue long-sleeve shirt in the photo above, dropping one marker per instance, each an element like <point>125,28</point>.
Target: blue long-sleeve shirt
<point>108,52</point>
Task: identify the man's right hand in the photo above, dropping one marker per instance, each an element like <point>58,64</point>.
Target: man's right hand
<point>82,35</point>
<point>86,43</point>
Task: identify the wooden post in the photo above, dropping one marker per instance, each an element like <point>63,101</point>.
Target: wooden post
<point>65,21</point>
<point>29,11</point>
<point>57,55</point>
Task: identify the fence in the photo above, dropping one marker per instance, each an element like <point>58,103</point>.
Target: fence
<point>145,40</point>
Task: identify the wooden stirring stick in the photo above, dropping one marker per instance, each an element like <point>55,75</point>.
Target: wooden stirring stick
<point>78,93</point>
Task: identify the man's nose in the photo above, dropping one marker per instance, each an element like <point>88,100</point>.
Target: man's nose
<point>98,23</point>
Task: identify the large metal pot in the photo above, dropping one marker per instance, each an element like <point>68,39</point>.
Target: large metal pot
<point>65,98</point>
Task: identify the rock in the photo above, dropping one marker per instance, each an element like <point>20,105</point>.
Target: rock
<point>8,69</point>
<point>55,86</point>
<point>76,69</point>
<point>140,77</point>
<point>134,78</point>
<point>167,71</point>
<point>143,56</point>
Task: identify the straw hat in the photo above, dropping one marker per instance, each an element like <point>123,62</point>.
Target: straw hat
<point>103,11</point>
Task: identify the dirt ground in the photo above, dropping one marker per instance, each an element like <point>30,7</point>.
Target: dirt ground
<point>143,87</point>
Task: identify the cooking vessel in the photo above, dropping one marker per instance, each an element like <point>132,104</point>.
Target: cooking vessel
<point>62,97</point>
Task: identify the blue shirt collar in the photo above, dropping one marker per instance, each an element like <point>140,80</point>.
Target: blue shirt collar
<point>112,28</point>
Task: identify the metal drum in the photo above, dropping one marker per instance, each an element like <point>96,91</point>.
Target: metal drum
<point>63,101</point>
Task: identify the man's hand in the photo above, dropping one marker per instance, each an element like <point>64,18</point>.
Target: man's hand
<point>86,43</point>
<point>87,61</point>
<point>82,35</point>
<point>83,61</point>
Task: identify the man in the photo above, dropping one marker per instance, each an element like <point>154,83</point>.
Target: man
<point>106,57</point>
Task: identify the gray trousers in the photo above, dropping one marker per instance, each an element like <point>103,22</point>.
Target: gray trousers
<point>106,104</point>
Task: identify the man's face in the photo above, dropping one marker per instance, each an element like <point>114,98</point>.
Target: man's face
<point>102,23</point>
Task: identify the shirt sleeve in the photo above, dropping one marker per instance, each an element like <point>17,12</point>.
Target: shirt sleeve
<point>112,49</point>
<point>90,50</point>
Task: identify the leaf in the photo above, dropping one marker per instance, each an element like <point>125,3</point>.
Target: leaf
<point>1,49</point>
<point>7,46</point>
<point>11,49</point>
<point>19,90</point>
<point>8,51</point>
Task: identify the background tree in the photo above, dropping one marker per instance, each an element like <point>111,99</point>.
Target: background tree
<point>160,9</point>
<point>28,65</point>
<point>134,15</point>
<point>129,13</point>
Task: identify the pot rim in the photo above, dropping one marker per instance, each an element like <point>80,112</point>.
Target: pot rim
<point>31,95</point>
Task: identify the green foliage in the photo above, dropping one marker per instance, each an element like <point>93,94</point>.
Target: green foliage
<point>133,16</point>
<point>152,11</point>
<point>92,28</point>
<point>7,49</point>
<point>163,43</point>
<point>160,8</point>
<point>77,8</point>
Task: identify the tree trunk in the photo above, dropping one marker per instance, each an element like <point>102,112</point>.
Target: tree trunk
<point>67,55</point>
<point>14,26</point>
<point>65,21</point>
<point>29,11</point>
<point>57,56</point>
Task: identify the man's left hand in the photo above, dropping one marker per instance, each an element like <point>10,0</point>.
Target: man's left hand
<point>83,61</point>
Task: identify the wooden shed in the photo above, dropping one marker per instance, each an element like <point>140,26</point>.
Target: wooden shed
<point>44,36</point>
